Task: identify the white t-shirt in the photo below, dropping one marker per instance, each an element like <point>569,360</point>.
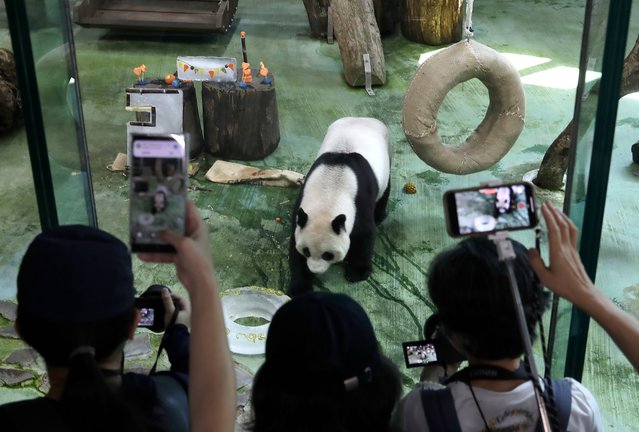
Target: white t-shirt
<point>515,410</point>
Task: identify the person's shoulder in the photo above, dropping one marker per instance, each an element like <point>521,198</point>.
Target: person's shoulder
<point>41,413</point>
<point>409,412</point>
<point>27,404</point>
<point>579,391</point>
<point>584,410</point>
<point>423,385</point>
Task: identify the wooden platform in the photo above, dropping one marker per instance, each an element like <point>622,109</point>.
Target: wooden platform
<point>212,16</point>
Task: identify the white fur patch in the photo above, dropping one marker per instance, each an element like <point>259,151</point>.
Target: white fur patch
<point>366,136</point>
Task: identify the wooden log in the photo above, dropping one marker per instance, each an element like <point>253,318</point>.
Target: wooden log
<point>433,22</point>
<point>10,102</point>
<point>386,15</point>
<point>317,12</point>
<point>240,123</point>
<point>357,33</point>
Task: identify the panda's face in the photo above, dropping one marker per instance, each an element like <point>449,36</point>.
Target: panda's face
<point>321,242</point>
<point>502,202</point>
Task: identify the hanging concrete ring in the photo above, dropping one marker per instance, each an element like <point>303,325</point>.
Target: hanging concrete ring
<point>497,132</point>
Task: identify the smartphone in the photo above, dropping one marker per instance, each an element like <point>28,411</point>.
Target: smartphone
<point>419,353</point>
<point>157,190</point>
<point>488,209</point>
<point>151,313</point>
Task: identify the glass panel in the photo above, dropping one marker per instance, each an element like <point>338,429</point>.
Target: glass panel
<point>586,101</point>
<point>606,372</point>
<point>58,87</point>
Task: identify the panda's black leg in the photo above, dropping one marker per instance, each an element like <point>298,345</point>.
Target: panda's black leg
<point>301,277</point>
<point>359,260</point>
<point>380,207</point>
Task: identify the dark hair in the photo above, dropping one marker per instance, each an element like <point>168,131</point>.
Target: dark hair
<point>323,370</point>
<point>306,407</point>
<point>87,400</point>
<point>470,288</point>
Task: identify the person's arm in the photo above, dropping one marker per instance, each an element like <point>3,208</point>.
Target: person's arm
<point>566,277</point>
<point>212,380</point>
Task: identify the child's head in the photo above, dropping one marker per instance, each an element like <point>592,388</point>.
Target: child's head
<point>75,288</point>
<point>471,291</point>
<point>323,369</point>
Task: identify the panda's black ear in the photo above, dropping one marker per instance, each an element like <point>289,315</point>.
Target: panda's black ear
<point>302,217</point>
<point>339,223</point>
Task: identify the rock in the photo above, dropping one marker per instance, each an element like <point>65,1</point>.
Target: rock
<point>8,310</point>
<point>242,417</point>
<point>44,385</point>
<point>243,378</point>
<point>14,376</point>
<point>139,346</point>
<point>23,357</point>
<point>9,332</point>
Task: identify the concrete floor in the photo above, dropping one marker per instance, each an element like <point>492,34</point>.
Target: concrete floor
<point>250,246</point>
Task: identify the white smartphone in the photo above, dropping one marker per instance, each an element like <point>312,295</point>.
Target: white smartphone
<point>157,190</point>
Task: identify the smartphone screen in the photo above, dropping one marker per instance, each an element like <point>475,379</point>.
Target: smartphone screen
<point>419,353</point>
<point>485,210</point>
<point>158,190</point>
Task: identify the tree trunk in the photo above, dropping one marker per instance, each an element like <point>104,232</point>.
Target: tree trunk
<point>240,123</point>
<point>10,102</point>
<point>555,162</point>
<point>433,22</point>
<point>357,33</point>
<point>317,12</point>
<point>386,15</point>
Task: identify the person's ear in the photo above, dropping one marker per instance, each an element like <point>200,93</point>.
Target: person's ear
<point>134,324</point>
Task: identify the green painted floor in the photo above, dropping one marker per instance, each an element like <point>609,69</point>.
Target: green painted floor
<point>250,246</point>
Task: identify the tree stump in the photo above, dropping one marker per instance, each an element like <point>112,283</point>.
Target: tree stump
<point>10,102</point>
<point>433,22</point>
<point>240,123</point>
<point>555,161</point>
<point>357,33</point>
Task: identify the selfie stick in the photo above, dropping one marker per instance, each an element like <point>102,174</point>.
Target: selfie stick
<point>506,253</point>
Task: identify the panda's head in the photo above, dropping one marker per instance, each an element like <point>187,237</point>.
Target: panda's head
<point>323,241</point>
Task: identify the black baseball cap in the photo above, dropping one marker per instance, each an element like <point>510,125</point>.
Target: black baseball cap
<point>75,273</point>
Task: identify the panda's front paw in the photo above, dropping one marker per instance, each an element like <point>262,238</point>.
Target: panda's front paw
<point>358,273</point>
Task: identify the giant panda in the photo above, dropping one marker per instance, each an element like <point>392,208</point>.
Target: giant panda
<point>343,198</point>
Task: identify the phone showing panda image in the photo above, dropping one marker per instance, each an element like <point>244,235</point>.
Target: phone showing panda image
<point>488,209</point>
<point>157,190</point>
<point>419,353</point>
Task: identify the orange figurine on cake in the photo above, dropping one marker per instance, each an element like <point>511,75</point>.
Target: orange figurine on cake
<point>247,77</point>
